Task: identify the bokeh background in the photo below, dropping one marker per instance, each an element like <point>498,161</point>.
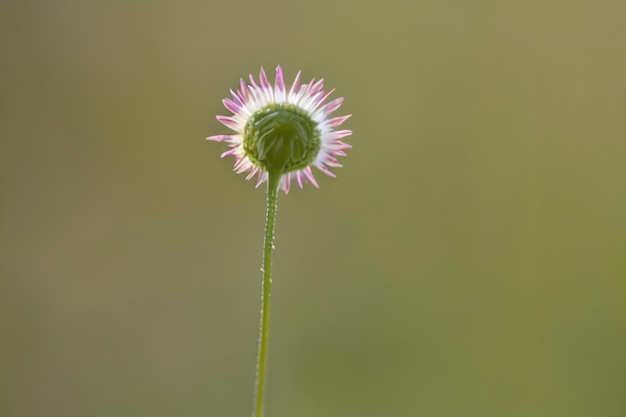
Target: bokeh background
<point>469,260</point>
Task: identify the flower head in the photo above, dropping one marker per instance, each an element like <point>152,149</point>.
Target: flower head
<point>285,131</point>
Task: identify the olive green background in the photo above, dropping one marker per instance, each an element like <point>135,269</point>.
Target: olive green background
<point>469,260</point>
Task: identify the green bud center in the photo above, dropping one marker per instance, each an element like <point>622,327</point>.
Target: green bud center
<point>281,138</point>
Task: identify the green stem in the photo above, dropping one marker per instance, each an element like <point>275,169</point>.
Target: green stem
<point>270,221</point>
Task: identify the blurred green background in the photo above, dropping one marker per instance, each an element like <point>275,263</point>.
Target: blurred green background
<point>469,260</point>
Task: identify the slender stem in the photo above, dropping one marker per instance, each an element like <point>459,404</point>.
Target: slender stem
<point>268,246</point>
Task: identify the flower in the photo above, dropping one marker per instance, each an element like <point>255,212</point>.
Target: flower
<point>286,131</point>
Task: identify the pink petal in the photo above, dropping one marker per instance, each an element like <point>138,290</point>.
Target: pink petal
<point>332,162</point>
<point>342,134</point>
<point>336,121</point>
<point>326,171</point>
<point>317,87</point>
<point>280,81</point>
<point>229,152</point>
<point>219,138</point>
<point>261,179</point>
<point>323,98</point>
<point>333,105</point>
<point>309,175</point>
<point>309,87</point>
<point>264,83</point>
<point>296,84</point>
<point>239,165</point>
<point>286,183</point>
<point>252,173</point>
<point>243,89</point>
<point>252,82</point>
<point>230,105</point>
<point>236,98</point>
<point>228,122</point>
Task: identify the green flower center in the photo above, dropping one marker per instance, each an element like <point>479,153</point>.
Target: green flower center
<point>281,138</point>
